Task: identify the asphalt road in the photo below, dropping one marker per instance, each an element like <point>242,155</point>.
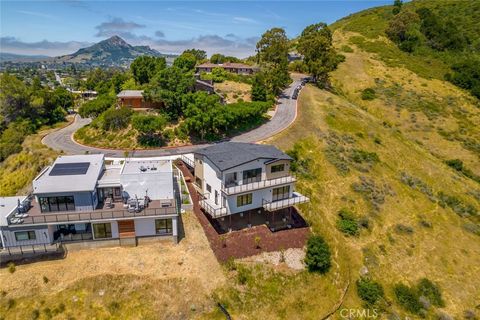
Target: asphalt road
<point>285,114</point>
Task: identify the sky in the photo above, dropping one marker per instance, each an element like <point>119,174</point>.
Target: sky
<point>230,27</point>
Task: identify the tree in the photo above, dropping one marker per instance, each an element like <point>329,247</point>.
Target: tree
<point>198,54</point>
<point>144,68</point>
<point>397,6</point>
<point>169,87</point>
<point>315,44</point>
<point>94,108</point>
<point>272,55</point>
<point>217,58</point>
<point>403,29</point>
<point>14,98</point>
<point>185,61</point>
<point>149,126</point>
<point>116,119</point>
<point>318,257</point>
<point>258,93</point>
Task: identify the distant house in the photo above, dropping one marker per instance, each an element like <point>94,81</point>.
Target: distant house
<point>238,68</point>
<point>131,98</point>
<point>294,56</point>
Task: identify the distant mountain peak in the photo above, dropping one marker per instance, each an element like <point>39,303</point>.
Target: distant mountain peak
<point>116,40</point>
<point>113,51</point>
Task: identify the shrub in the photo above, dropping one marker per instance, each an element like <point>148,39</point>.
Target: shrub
<point>346,48</point>
<point>115,119</point>
<point>347,223</point>
<point>96,107</point>
<point>35,314</point>
<point>403,229</point>
<point>456,164</point>
<point>243,274</point>
<point>368,94</point>
<point>361,156</point>
<point>11,267</point>
<point>318,257</point>
<point>369,290</point>
<point>45,279</point>
<point>431,291</point>
<point>407,298</point>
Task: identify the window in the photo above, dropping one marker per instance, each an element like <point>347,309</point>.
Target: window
<point>102,230</point>
<point>163,226</point>
<point>216,197</point>
<point>253,175</point>
<point>277,168</point>
<point>244,200</point>
<point>209,188</point>
<point>25,235</point>
<point>53,204</point>
<point>280,193</point>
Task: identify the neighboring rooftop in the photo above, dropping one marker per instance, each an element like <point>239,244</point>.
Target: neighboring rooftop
<point>225,65</point>
<point>231,154</point>
<point>70,173</point>
<point>130,94</point>
<point>7,206</point>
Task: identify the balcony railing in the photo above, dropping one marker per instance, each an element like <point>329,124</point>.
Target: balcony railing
<point>214,212</point>
<point>229,190</point>
<point>296,198</point>
<point>45,218</point>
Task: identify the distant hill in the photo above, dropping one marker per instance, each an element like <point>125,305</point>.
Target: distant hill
<point>113,51</point>
<point>6,56</point>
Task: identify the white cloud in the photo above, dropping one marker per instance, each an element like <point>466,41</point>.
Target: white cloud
<point>44,47</point>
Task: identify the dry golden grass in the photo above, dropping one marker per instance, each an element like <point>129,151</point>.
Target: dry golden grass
<point>233,91</point>
<point>444,253</point>
<point>18,170</point>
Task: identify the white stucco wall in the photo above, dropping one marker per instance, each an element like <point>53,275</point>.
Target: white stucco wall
<point>146,227</point>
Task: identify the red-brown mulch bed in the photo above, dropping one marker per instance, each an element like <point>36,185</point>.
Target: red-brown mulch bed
<point>240,244</point>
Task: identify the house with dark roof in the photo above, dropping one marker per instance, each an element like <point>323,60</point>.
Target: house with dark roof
<point>243,178</point>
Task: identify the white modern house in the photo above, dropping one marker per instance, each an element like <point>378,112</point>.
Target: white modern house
<point>244,178</point>
<point>86,198</point>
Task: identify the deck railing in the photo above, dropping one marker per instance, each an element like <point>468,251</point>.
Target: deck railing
<point>30,249</point>
<point>71,217</point>
<point>229,190</point>
<point>296,198</point>
<point>214,212</point>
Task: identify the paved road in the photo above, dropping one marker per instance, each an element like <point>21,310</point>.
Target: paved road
<point>61,140</point>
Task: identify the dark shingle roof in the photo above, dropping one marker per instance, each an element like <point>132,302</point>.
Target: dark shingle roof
<point>227,155</point>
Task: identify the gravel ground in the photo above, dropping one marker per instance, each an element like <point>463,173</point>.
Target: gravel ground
<point>292,258</point>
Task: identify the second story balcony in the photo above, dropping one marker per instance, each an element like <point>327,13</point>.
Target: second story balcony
<point>233,188</point>
<point>112,211</point>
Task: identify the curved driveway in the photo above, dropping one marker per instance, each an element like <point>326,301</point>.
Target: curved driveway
<point>62,140</point>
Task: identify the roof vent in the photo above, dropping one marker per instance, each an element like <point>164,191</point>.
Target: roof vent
<point>143,169</point>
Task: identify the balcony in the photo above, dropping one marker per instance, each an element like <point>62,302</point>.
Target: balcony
<point>214,212</point>
<point>230,189</point>
<point>35,216</point>
<point>296,198</point>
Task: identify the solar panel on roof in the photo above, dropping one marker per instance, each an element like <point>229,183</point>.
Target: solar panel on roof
<point>69,169</point>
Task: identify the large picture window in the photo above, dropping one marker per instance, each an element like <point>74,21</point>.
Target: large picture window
<point>253,175</point>
<point>244,199</point>
<point>25,235</point>
<point>280,193</point>
<point>163,226</point>
<point>54,204</point>
<point>102,230</point>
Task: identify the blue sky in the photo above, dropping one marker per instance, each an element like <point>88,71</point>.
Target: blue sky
<point>230,27</point>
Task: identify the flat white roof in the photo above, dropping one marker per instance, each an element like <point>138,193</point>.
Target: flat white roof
<point>130,94</point>
<point>147,177</point>
<point>69,178</point>
<point>7,206</point>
